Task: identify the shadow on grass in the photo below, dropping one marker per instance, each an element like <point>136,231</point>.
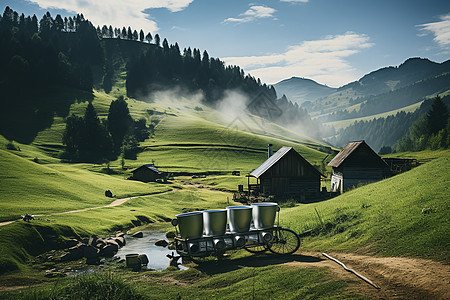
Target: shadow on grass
<point>217,266</point>
<point>23,116</point>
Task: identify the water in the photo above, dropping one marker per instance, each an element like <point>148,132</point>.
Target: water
<point>146,245</point>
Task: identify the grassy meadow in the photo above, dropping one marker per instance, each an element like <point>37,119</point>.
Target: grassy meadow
<point>405,215</point>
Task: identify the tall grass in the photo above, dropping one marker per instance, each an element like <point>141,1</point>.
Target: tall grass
<point>87,286</point>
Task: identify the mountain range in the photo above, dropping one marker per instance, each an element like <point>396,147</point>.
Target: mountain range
<point>322,100</point>
<point>380,107</point>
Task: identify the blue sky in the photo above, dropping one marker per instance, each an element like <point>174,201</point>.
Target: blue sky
<point>330,41</point>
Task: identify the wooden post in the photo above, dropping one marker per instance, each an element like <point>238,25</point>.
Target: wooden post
<point>248,188</point>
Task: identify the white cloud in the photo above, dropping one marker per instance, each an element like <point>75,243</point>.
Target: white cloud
<point>253,13</point>
<point>322,60</point>
<point>117,13</point>
<point>295,1</point>
<point>440,30</point>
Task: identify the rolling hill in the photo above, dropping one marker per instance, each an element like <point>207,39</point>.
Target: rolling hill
<point>405,215</point>
<point>380,99</point>
<point>301,90</point>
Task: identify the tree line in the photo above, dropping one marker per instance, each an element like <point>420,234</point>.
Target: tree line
<point>160,67</point>
<point>395,132</point>
<point>90,139</point>
<point>38,54</point>
<point>430,131</point>
<point>393,100</point>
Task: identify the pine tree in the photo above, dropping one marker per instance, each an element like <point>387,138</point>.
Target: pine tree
<point>119,120</point>
<point>149,37</point>
<point>437,116</point>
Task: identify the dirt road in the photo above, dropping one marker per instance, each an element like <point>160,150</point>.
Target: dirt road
<point>116,202</point>
<point>398,277</point>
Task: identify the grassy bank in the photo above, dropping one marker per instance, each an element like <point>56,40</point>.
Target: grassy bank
<point>237,279</point>
<point>406,215</point>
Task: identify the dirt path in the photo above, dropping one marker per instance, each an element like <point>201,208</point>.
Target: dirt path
<point>116,202</point>
<point>398,277</point>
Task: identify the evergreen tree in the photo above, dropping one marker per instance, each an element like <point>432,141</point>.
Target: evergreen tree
<point>437,116</point>
<point>149,37</point>
<point>129,33</point>
<point>119,120</point>
<point>141,35</point>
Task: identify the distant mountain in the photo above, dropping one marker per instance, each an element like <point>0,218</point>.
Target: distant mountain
<point>379,84</point>
<point>300,90</point>
<point>391,78</point>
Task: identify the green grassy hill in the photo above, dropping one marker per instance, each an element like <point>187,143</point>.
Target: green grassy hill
<point>405,215</point>
<point>187,140</point>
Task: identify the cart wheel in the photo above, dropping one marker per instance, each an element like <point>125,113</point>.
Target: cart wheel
<point>256,249</point>
<point>285,241</point>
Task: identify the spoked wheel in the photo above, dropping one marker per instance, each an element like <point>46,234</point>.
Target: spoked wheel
<point>256,249</point>
<point>285,241</point>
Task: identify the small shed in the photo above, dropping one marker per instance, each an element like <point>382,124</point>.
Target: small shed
<point>147,173</point>
<point>356,163</point>
<point>286,173</point>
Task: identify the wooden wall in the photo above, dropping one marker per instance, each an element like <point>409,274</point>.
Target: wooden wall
<point>145,175</point>
<point>291,175</point>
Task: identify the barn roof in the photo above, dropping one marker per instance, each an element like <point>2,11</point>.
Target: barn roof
<point>347,151</point>
<point>150,167</point>
<point>273,160</point>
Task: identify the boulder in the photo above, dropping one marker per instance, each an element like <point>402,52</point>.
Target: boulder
<point>113,243</point>
<point>161,243</point>
<point>93,260</point>
<point>93,240</point>
<point>71,243</point>
<point>120,241</point>
<point>77,251</point>
<point>100,243</point>
<point>90,252</point>
<point>138,234</point>
<point>108,251</point>
<point>120,234</point>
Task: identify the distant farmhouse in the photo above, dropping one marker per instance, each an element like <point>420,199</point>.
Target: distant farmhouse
<point>356,163</point>
<point>285,173</point>
<point>147,173</point>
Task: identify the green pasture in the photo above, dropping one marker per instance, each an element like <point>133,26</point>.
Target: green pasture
<point>30,187</point>
<point>345,123</point>
<point>405,215</point>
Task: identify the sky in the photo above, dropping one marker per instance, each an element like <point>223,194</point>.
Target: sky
<point>332,42</point>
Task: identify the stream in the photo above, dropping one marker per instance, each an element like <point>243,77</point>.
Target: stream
<point>146,245</point>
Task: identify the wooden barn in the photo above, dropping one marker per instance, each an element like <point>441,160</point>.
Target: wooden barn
<point>147,173</point>
<point>286,173</point>
<point>356,163</point>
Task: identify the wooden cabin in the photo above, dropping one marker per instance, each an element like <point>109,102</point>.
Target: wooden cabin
<point>356,163</point>
<point>286,173</point>
<point>147,173</point>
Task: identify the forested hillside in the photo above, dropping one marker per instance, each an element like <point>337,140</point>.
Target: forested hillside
<point>47,63</point>
<point>383,131</point>
<point>392,100</point>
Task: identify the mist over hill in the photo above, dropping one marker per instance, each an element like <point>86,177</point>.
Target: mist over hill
<point>49,64</point>
<point>45,59</point>
<point>377,107</point>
